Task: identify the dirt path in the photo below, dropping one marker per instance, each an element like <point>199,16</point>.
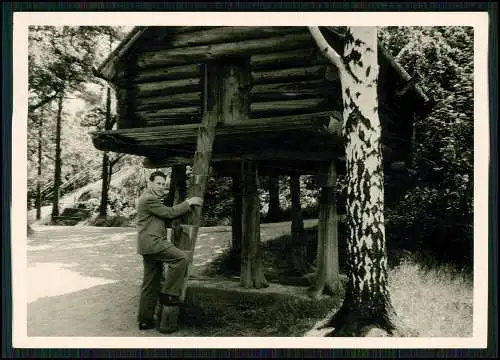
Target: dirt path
<point>84,281</point>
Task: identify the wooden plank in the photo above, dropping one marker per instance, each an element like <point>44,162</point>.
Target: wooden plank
<point>314,87</point>
<point>302,73</point>
<point>277,108</point>
<point>229,34</point>
<point>295,57</point>
<point>196,54</point>
<point>167,101</point>
<point>168,73</point>
<point>176,134</point>
<point>169,113</point>
<point>167,87</point>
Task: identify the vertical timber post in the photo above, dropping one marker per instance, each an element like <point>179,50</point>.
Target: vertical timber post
<point>178,179</point>
<point>327,278</point>
<point>236,230</point>
<point>201,164</point>
<point>252,274</point>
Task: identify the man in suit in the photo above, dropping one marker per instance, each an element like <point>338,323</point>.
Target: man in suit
<point>156,249</point>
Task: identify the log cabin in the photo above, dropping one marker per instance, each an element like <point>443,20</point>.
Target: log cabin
<point>278,96</point>
<point>242,101</point>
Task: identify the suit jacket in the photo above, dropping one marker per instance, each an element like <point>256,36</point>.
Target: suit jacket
<point>151,214</point>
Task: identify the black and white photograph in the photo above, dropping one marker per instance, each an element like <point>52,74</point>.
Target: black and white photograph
<point>250,180</point>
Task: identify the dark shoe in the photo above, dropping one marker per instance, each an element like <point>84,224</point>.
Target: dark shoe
<point>169,300</point>
<point>145,325</point>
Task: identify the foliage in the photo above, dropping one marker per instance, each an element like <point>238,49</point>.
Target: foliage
<point>436,214</point>
<point>60,61</point>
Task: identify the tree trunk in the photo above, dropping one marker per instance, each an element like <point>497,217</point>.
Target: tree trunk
<point>106,165</point>
<point>58,162</point>
<point>274,211</point>
<point>39,173</point>
<point>367,301</point>
<point>327,279</point>
<point>252,274</point>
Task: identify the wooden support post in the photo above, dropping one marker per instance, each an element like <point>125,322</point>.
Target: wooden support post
<point>178,178</point>
<point>327,279</point>
<point>201,164</point>
<point>236,214</point>
<point>252,274</point>
<point>297,244</point>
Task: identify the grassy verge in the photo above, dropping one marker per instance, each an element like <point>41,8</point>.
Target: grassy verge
<point>429,300</point>
<point>435,302</point>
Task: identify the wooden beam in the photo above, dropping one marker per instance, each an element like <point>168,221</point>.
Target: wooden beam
<point>170,116</point>
<point>278,108</point>
<point>303,73</point>
<point>229,34</point>
<point>169,101</point>
<point>252,274</point>
<point>236,213</point>
<point>277,155</point>
<point>184,134</point>
<point>293,90</point>
<point>167,87</point>
<point>177,134</point>
<point>327,279</point>
<point>178,178</point>
<point>202,53</point>
<point>168,73</point>
<point>295,57</point>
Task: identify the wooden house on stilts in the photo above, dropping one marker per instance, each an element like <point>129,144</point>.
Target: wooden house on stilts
<point>244,101</point>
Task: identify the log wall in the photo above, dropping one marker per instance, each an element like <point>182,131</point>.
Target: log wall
<point>161,84</point>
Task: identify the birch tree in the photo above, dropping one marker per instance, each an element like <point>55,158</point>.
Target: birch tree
<point>367,301</point>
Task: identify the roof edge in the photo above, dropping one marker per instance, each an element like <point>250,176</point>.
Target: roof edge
<point>107,69</point>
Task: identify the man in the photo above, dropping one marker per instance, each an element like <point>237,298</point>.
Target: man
<point>156,249</point>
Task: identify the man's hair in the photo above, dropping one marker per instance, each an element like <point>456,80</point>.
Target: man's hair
<point>155,174</point>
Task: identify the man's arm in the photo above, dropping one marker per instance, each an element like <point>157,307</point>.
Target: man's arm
<point>155,206</point>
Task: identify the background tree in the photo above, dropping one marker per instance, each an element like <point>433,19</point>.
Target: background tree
<point>367,302</point>
<point>60,64</point>
<point>435,217</point>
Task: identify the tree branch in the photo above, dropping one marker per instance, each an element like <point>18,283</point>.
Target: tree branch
<point>326,49</point>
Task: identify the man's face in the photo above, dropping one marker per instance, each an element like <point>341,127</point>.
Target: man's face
<point>158,185</point>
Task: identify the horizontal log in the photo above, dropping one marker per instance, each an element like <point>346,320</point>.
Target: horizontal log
<point>211,52</point>
<point>229,34</point>
<point>276,107</point>
<point>168,73</point>
<point>296,57</point>
<point>178,134</point>
<point>293,90</point>
<point>167,87</point>
<point>314,72</point>
<point>170,116</point>
<point>155,162</point>
<point>173,100</point>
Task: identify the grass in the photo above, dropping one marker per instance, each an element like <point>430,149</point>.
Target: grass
<point>434,302</point>
<point>214,314</point>
<point>429,300</point>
